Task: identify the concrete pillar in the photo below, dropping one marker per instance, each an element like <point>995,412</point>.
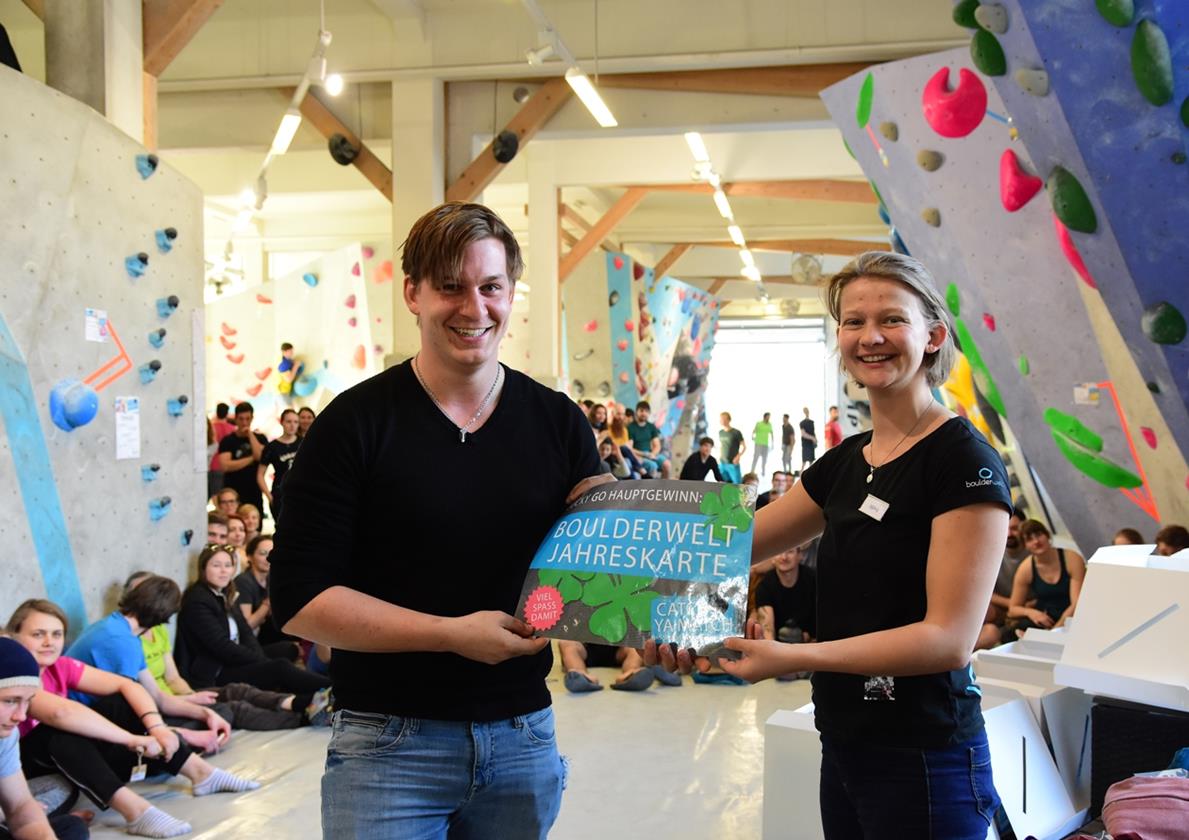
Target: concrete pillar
<point>94,53</point>
<point>541,272</point>
<point>418,183</point>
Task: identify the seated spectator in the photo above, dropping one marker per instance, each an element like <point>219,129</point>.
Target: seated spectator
<point>237,536</point>
<point>1170,539</point>
<point>617,430</point>
<point>609,454</point>
<point>1052,578</point>
<point>305,419</point>
<point>23,815</point>
<point>699,464</point>
<point>227,501</point>
<point>1014,553</point>
<point>253,601</point>
<point>250,515</point>
<point>1128,536</point>
<point>242,705</point>
<point>597,415</point>
<point>216,527</point>
<point>647,443</point>
<point>97,748</point>
<point>634,675</point>
<point>751,480</point>
<point>215,645</point>
<point>786,601</point>
<point>781,482</point>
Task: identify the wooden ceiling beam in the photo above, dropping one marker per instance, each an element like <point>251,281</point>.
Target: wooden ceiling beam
<point>807,80</point>
<point>568,214</point>
<point>37,7</point>
<point>323,119</point>
<point>168,25</point>
<point>667,261</point>
<point>600,231</point>
<point>717,285</point>
<point>532,115</point>
<point>808,189</point>
<point>839,247</point>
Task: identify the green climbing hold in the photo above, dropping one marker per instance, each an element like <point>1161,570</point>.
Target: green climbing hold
<point>1025,368</point>
<point>1163,323</point>
<point>1151,63</point>
<point>846,146</point>
<point>1072,428</point>
<point>1177,157</point>
<point>953,299</point>
<point>863,106</point>
<point>1070,202</point>
<point>1081,447</point>
<point>1116,12</point>
<point>982,376</point>
<point>1185,112</point>
<point>964,14</point>
<point>987,55</point>
<point>875,190</point>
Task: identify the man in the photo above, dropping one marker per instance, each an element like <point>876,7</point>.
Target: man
<point>1170,539</point>
<point>781,482</point>
<point>221,427</point>
<point>413,484</point>
<point>786,600</point>
<point>24,817</point>
<point>786,444</point>
<point>1013,554</point>
<point>216,528</point>
<point>700,463</point>
<point>761,435</point>
<point>833,429</point>
<point>732,447</point>
<point>239,454</point>
<point>646,441</point>
<point>808,441</point>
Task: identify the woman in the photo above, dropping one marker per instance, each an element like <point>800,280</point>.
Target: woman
<point>617,430</point>
<point>215,645</point>
<point>305,419</point>
<point>252,600</point>
<point>278,454</point>
<point>913,520</point>
<point>237,536</point>
<point>250,514</point>
<point>1051,580</point>
<point>98,752</point>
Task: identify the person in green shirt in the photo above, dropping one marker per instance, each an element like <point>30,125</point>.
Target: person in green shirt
<point>732,447</point>
<point>761,435</point>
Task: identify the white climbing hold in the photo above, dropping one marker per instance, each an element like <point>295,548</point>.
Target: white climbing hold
<point>992,17</point>
<point>932,216</point>
<point>1035,82</point>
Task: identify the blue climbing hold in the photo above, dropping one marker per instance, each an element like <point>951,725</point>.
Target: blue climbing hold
<point>137,264</point>
<point>73,404</point>
<point>167,305</point>
<point>165,239</point>
<point>311,280</point>
<point>146,165</point>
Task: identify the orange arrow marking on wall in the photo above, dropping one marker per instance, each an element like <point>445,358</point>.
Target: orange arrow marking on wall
<point>122,363</point>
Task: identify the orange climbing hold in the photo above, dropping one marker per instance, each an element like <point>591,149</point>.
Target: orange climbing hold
<point>227,343</point>
<point>235,359</point>
<point>360,357</point>
<point>228,330</point>
<point>255,389</point>
<point>263,373</point>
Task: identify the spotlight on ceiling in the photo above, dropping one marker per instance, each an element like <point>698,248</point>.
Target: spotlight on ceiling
<point>537,57</point>
<point>334,84</point>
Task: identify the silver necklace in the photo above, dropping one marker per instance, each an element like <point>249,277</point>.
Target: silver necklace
<point>870,466</point>
<point>462,430</point>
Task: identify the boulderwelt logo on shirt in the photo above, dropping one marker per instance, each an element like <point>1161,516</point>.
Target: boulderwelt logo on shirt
<point>985,477</point>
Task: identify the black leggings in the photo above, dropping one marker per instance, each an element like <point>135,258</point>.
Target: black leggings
<point>64,826</point>
<point>98,768</point>
<point>274,675</point>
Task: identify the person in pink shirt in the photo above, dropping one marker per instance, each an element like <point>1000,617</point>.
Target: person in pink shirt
<point>833,429</point>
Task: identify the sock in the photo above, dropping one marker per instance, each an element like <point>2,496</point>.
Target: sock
<point>220,781</point>
<point>156,823</point>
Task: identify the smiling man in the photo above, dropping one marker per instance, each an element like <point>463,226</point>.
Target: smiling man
<point>411,521</point>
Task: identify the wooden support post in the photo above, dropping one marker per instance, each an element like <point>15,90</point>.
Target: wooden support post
<point>328,124</point>
<point>667,261</point>
<point>168,25</point>
<point>717,285</point>
<point>150,111</point>
<point>626,203</point>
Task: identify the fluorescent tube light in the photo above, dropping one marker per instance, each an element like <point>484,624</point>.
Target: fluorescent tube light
<point>748,259</point>
<point>696,147</point>
<point>724,206</point>
<point>285,131</point>
<point>714,180</point>
<point>594,103</point>
<point>736,235</point>
<point>243,220</point>
<point>751,273</point>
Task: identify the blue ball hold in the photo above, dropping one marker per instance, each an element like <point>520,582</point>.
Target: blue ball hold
<point>311,280</point>
<point>73,404</point>
<point>303,386</point>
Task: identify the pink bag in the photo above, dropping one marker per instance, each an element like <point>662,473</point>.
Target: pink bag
<point>1148,807</point>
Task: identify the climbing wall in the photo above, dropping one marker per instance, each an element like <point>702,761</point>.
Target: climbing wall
<point>102,438</point>
<point>322,309</point>
<point>961,191</point>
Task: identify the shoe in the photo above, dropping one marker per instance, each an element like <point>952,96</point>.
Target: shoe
<point>717,679</point>
<point>666,677</point>
<point>578,683</point>
<point>321,708</point>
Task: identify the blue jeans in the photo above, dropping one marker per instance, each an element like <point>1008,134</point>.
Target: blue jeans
<point>870,791</point>
<point>419,779</point>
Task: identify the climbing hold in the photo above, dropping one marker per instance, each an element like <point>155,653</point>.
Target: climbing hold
<point>383,272</point>
<point>305,385</point>
<point>890,131</point>
<point>623,377</point>
<point>1117,12</point>
<point>368,252</point>
<point>1025,368</point>
<point>874,189</point>
<point>618,263</point>
<point>165,239</point>
<point>863,106</point>
<point>1070,202</point>
<point>1016,187</point>
<point>991,17</point>
<point>582,354</point>
<point>227,329</point>
<point>148,371</point>
<point>953,299</point>
<point>263,373</point>
<point>1071,254</point>
<point>136,264</point>
<point>73,404</point>
<point>359,357</point>
<point>932,216</point>
<point>349,302</point>
<point>263,298</point>
<point>311,280</point>
<point>351,322</point>
<point>148,472</point>
<point>1149,436</point>
<point>1080,445</point>
<point>884,216</point>
<point>227,343</point>
<point>176,405</point>
<point>1185,112</point>
<point>253,390</point>
<point>1151,63</point>
<point>987,54</point>
<point>591,326</point>
<point>146,165</point>
<point>954,113</point>
<point>157,338</point>
<point>1154,387</point>
<point>1035,82</point>
<point>622,344</point>
<point>235,359</point>
<point>637,271</point>
<point>187,535</point>
<point>1163,323</point>
<point>355,270</point>
<point>964,14</point>
<point>159,507</point>
<point>846,146</point>
<point>989,321</point>
<point>379,348</point>
<point>978,368</point>
<point>1177,157</point>
<point>612,299</point>
<point>929,160</point>
<point>166,306</point>
<point>629,325</point>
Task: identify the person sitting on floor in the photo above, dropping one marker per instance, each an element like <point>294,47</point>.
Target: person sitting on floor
<point>1051,576</point>
<point>243,706</point>
<point>250,514</point>
<point>237,536</point>
<point>252,600</point>
<point>699,464</point>
<point>215,645</point>
<point>98,748</point>
<point>1170,539</point>
<point>216,527</point>
<point>577,657</point>
<point>609,454</point>
<point>1128,536</point>
<point>1014,552</point>
<point>786,601</point>
<point>24,818</point>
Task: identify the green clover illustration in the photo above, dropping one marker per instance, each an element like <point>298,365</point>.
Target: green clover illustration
<point>619,598</point>
<point>569,584</point>
<point>726,510</point>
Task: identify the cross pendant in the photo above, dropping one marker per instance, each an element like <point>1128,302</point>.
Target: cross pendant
<point>462,436</point>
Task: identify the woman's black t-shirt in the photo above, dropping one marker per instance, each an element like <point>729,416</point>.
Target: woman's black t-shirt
<point>871,577</point>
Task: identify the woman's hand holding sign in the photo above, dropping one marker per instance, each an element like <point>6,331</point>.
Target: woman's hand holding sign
<point>491,637</point>
<point>762,658</point>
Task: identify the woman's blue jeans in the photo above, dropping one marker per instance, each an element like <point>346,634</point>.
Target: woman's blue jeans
<point>890,792</point>
<point>417,779</point>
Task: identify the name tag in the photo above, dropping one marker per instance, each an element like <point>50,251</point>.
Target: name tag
<point>139,771</point>
<point>874,507</point>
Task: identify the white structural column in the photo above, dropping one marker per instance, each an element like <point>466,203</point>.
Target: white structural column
<point>541,271</point>
<point>94,53</point>
<point>418,183</point>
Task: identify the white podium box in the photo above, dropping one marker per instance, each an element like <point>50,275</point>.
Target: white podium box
<point>792,766</point>
<point>1129,637</point>
<point>1025,661</point>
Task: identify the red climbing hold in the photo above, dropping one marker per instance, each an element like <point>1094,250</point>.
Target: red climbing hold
<point>1071,253</point>
<point>989,320</point>
<point>351,321</point>
<point>623,377</point>
<point>255,389</point>
<point>629,325</point>
<point>355,270</point>
<point>359,359</point>
<point>1016,187</point>
<point>227,343</point>
<point>228,330</point>
<point>262,299</point>
<point>618,262</point>
<point>350,302</point>
<point>1149,436</point>
<point>368,252</point>
<point>236,359</point>
<point>623,344</point>
<point>263,374</point>
<point>590,326</point>
<point>957,112</point>
<point>637,271</point>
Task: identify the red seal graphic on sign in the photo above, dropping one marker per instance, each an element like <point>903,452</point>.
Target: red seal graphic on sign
<point>543,607</point>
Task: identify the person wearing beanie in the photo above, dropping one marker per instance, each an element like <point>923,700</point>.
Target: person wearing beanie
<point>19,681</point>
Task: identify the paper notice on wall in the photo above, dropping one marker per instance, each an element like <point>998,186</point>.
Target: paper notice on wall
<point>1085,394</point>
<point>96,329</point>
<point>127,428</point>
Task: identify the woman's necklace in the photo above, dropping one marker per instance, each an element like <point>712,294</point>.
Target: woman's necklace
<point>871,466</point>
<point>462,430</point>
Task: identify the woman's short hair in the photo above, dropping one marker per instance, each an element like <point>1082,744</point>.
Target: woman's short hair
<point>250,508</point>
<point>152,601</point>
<point>438,242</point>
<point>36,605</point>
<point>1032,527</point>
<point>889,265</point>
